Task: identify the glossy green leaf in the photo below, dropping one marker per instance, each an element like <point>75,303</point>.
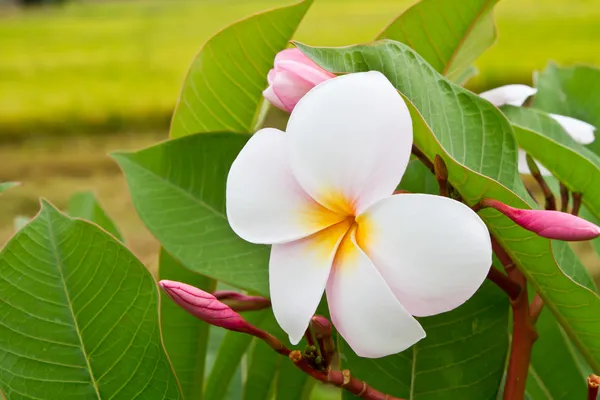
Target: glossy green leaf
<point>263,367</point>
<point>78,316</point>
<point>185,337</point>
<point>584,213</point>
<point>232,349</point>
<point>477,144</point>
<point>223,88</point>
<point>419,179</point>
<point>544,139</point>
<point>178,189</point>
<point>448,34</point>
<point>292,384</point>
<point>85,205</point>
<point>571,91</point>
<point>7,185</point>
<point>462,356</point>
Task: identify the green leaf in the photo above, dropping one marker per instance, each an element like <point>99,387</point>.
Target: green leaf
<point>292,383</point>
<point>419,179</point>
<point>555,372</point>
<point>264,365</point>
<point>7,185</point>
<point>586,214</point>
<point>476,142</point>
<point>78,316</point>
<point>185,337</point>
<point>232,349</point>
<point>223,88</point>
<point>178,189</point>
<point>448,34</point>
<point>462,356</point>
<point>84,205</point>
<point>571,91</point>
<point>545,140</point>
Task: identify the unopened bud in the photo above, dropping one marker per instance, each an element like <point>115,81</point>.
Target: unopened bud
<point>206,307</point>
<point>549,224</point>
<point>321,326</point>
<point>241,302</point>
<point>439,166</point>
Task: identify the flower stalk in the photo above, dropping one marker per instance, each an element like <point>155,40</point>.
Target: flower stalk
<point>524,333</point>
<point>564,198</point>
<point>342,379</point>
<point>593,382</point>
<point>537,175</point>
<point>323,332</point>
<point>441,175</point>
<point>576,203</point>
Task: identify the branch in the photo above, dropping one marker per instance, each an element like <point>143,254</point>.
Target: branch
<point>423,158</point>
<point>524,333</point>
<point>511,288</point>
<point>342,379</point>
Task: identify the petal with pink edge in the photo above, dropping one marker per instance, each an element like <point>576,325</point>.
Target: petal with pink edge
<point>265,203</point>
<point>350,141</point>
<point>433,252</point>
<point>363,308</point>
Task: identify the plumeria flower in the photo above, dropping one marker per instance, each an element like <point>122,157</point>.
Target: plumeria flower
<point>515,95</point>
<point>321,194</point>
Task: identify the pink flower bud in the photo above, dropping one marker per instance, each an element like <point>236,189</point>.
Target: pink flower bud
<point>292,77</point>
<point>206,307</point>
<point>549,224</point>
<point>241,302</point>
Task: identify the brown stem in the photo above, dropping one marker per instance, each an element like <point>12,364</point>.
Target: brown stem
<point>535,172</point>
<point>576,203</point>
<point>564,198</point>
<point>593,385</point>
<point>536,307</point>
<point>441,175</point>
<point>503,282</point>
<point>423,158</point>
<point>524,333</point>
<point>342,379</point>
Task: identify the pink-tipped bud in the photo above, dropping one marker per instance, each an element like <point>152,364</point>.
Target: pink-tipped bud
<point>241,302</point>
<point>549,224</point>
<point>206,307</point>
<point>321,326</point>
<point>293,75</point>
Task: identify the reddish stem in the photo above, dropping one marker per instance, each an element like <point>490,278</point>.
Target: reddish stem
<point>564,198</point>
<point>576,203</point>
<point>524,333</point>
<point>536,307</point>
<point>593,385</point>
<point>342,379</point>
<point>423,158</point>
<point>503,282</point>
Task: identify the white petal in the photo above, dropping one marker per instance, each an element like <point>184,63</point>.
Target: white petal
<point>351,138</point>
<point>524,168</point>
<point>579,130</point>
<point>298,273</point>
<point>363,308</point>
<point>432,251</point>
<point>265,203</point>
<point>514,95</point>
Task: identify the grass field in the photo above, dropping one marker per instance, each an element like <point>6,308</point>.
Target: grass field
<point>109,66</point>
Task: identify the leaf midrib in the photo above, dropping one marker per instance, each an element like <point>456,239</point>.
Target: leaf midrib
<point>60,267</point>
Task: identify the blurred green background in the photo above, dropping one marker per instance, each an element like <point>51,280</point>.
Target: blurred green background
<point>87,77</point>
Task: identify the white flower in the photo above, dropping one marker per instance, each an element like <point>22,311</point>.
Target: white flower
<point>515,95</point>
<point>321,194</point>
